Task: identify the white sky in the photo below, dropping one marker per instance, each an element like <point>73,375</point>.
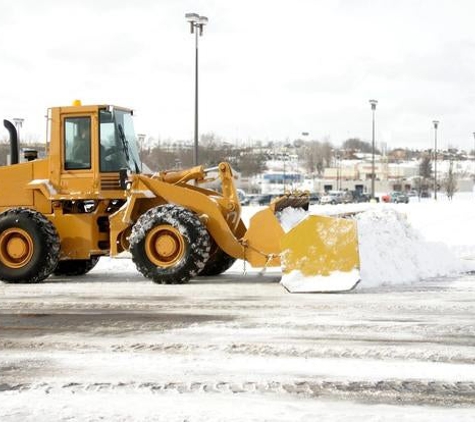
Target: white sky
<point>268,69</point>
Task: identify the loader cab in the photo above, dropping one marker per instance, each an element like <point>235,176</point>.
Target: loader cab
<point>93,144</point>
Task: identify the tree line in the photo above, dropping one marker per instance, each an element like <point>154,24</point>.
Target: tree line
<point>314,155</point>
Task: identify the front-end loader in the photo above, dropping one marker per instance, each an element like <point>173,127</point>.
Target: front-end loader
<point>91,197</point>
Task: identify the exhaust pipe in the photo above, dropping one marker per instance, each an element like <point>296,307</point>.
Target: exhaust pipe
<point>14,148</point>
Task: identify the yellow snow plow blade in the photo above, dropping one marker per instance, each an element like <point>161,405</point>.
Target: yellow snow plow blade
<point>320,254</point>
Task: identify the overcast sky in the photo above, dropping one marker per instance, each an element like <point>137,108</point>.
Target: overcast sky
<point>269,70</point>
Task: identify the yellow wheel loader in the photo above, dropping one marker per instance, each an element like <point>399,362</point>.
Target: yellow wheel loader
<point>91,197</point>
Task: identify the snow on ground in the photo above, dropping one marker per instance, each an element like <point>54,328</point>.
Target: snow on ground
<point>112,346</point>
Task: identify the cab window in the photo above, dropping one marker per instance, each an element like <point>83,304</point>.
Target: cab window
<point>77,140</point>
<point>112,155</point>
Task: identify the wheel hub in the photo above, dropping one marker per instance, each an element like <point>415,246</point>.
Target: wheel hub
<point>16,248</point>
<point>164,246</point>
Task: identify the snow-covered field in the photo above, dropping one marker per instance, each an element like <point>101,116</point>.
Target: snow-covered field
<point>113,346</point>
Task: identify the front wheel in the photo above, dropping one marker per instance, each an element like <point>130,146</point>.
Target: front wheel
<point>169,244</point>
<point>29,246</point>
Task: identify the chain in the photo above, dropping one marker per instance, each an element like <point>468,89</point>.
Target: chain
<point>244,269</point>
<point>269,258</point>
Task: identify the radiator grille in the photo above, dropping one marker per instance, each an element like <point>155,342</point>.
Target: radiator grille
<point>110,182</point>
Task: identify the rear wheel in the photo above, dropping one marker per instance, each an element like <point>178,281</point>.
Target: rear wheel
<point>72,267</point>
<point>218,262</point>
<point>169,244</point>
<point>29,246</point>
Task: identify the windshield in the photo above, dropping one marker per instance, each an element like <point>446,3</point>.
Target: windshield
<point>118,142</point>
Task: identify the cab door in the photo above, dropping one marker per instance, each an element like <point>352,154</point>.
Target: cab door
<point>79,155</point>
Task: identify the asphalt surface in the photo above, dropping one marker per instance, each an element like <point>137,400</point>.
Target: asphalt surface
<point>237,335</point>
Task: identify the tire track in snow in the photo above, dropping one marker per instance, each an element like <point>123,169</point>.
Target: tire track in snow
<point>385,391</point>
<point>444,355</point>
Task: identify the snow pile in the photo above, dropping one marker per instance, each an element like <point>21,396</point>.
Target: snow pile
<point>290,217</point>
<point>392,252</point>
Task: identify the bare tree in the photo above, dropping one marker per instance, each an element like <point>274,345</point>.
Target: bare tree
<point>312,156</point>
<point>250,164</point>
<point>425,167</point>
<point>316,155</point>
<point>450,182</point>
<point>356,144</point>
<point>158,158</point>
<point>4,152</point>
<point>327,152</point>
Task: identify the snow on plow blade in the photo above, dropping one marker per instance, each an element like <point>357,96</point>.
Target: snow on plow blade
<point>320,254</point>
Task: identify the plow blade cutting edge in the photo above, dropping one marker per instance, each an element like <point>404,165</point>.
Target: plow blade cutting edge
<point>320,254</point>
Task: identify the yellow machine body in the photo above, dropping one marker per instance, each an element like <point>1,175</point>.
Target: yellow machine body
<point>94,208</point>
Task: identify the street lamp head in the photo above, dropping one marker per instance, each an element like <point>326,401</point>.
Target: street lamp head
<point>201,23</point>
<point>436,124</point>
<point>18,121</point>
<point>192,17</point>
<point>196,21</point>
<point>373,104</point>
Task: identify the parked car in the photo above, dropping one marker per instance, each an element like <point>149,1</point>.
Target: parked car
<point>399,197</point>
<point>329,198</point>
<point>243,198</point>
<point>314,198</point>
<point>346,197</point>
<point>336,197</point>
<point>264,199</point>
<point>359,196</point>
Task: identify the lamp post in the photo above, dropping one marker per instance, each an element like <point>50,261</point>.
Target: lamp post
<point>338,172</point>
<point>436,125</point>
<point>197,23</point>
<point>474,150</point>
<point>373,108</point>
<point>283,161</point>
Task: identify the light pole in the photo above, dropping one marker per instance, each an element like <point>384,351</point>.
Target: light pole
<point>474,150</point>
<point>283,161</point>
<point>436,125</point>
<point>197,23</point>
<point>338,172</point>
<point>373,108</point>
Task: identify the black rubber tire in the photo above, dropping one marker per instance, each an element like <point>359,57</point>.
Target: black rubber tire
<point>73,267</point>
<point>43,244</point>
<point>218,263</point>
<point>187,229</point>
